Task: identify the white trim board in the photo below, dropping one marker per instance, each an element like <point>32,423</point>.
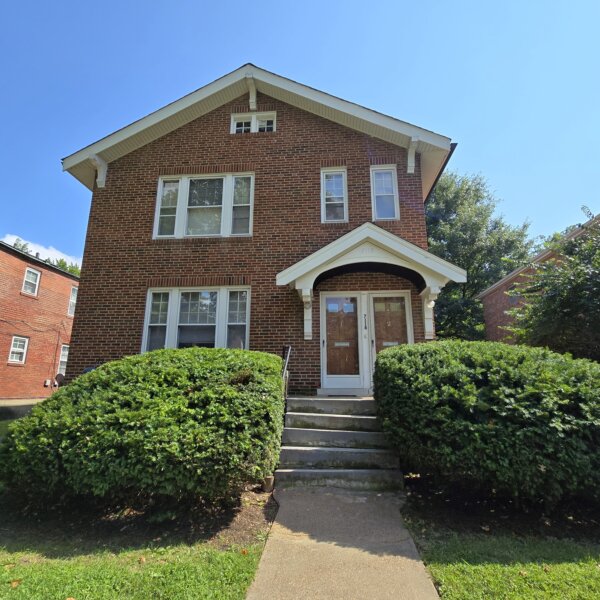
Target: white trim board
<point>433,148</point>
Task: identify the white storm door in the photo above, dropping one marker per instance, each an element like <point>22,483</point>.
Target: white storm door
<point>342,355</point>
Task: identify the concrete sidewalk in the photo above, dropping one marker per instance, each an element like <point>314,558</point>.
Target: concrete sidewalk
<point>335,544</point>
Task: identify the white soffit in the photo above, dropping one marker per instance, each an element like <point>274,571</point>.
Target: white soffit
<point>433,148</point>
<point>412,256</point>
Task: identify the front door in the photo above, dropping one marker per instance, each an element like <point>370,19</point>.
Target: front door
<point>355,326</point>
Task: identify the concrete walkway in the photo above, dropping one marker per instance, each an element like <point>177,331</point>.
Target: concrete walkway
<point>335,544</point>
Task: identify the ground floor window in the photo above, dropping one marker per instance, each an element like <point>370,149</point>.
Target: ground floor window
<point>64,355</point>
<point>206,317</point>
<point>18,350</point>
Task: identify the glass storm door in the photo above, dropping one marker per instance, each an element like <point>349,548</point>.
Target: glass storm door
<point>341,352</point>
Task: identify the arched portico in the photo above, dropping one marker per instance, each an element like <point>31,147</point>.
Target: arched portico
<point>369,244</point>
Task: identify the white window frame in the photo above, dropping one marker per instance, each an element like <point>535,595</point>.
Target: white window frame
<point>60,358</point>
<point>222,317</point>
<point>253,118</point>
<point>37,285</point>
<point>181,214</point>
<point>374,169</point>
<point>12,343</point>
<point>72,303</point>
<point>324,172</point>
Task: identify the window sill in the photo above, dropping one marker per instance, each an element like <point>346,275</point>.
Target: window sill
<point>15,364</point>
<point>34,296</point>
<point>204,237</point>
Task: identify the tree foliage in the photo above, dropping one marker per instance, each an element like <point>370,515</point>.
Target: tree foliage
<point>464,230</point>
<point>562,297</point>
<point>61,263</point>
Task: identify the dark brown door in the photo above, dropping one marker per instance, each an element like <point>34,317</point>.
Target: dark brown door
<point>342,335</point>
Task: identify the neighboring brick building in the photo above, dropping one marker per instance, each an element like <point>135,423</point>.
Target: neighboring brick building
<point>257,212</point>
<point>37,303</point>
<point>497,301</point>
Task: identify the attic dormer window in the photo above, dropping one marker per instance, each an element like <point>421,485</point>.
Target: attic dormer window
<point>253,123</point>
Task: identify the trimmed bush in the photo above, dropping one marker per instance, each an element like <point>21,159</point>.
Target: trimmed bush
<point>512,420</point>
<point>169,424</point>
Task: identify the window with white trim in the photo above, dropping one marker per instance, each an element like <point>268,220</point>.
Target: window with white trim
<point>31,282</point>
<point>72,301</point>
<point>64,356</point>
<point>253,122</point>
<point>384,192</point>
<point>18,350</point>
<point>334,196</point>
<point>205,317</point>
<point>204,205</point>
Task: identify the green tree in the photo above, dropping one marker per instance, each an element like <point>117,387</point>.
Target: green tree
<point>61,263</point>
<point>464,230</point>
<point>19,244</point>
<point>562,297</point>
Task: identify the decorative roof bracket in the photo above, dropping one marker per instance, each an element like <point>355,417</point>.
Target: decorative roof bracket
<point>101,167</point>
<point>412,151</point>
<point>252,91</point>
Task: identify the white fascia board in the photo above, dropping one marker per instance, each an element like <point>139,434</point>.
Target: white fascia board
<point>355,110</point>
<point>259,75</point>
<point>376,235</point>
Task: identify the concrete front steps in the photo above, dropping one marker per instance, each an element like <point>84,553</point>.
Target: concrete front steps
<point>335,442</point>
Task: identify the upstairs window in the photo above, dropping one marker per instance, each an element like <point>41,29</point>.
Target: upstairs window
<point>253,122</point>
<point>334,196</point>
<point>31,283</point>
<point>72,302</point>
<point>209,318</point>
<point>384,193</point>
<point>18,350</point>
<point>213,205</point>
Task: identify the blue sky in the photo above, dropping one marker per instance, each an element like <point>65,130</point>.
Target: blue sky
<point>515,83</point>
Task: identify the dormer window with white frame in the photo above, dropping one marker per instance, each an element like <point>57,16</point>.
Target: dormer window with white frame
<point>334,195</point>
<point>253,122</point>
<point>384,193</point>
<point>31,282</point>
<point>204,206</point>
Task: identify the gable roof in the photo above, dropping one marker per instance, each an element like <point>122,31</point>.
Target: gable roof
<point>434,149</point>
<point>574,233</point>
<point>25,256</point>
<point>370,240</point>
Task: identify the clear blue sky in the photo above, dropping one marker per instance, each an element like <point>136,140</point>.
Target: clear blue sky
<point>515,83</point>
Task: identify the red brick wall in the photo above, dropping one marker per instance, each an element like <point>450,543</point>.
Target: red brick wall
<point>122,260</point>
<point>43,319</point>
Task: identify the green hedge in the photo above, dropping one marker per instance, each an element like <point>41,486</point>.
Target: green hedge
<point>511,420</point>
<point>178,424</point>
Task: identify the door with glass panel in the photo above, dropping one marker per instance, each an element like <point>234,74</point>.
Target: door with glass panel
<point>341,350</point>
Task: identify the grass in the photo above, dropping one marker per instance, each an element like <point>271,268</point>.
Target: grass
<point>87,555</point>
<point>480,550</point>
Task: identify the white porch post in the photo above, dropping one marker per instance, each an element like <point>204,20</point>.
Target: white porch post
<point>429,296</point>
<point>306,296</point>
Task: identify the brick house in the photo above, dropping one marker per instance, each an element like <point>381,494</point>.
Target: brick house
<point>37,304</point>
<point>497,300</point>
<point>257,212</point>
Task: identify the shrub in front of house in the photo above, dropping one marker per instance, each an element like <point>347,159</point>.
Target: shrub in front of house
<point>184,424</point>
<point>511,420</point>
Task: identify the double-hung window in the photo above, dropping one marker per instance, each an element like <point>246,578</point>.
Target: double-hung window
<point>205,317</point>
<point>31,282</point>
<point>384,192</point>
<point>215,205</point>
<point>253,123</point>
<point>18,350</point>
<point>64,356</point>
<point>334,196</point>
<point>72,301</point>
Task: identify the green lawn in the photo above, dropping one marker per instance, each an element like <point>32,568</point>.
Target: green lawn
<point>486,553</point>
<point>93,556</point>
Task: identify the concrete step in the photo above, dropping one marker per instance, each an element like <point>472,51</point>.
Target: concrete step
<point>332,458</point>
<point>334,438</point>
<point>355,479</point>
<point>332,406</point>
<point>329,421</point>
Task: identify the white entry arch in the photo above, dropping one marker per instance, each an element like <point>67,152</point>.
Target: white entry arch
<point>371,244</point>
